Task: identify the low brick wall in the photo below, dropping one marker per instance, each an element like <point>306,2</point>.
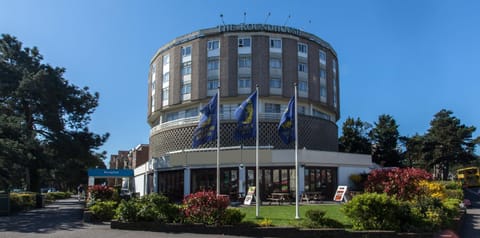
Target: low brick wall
<point>249,231</point>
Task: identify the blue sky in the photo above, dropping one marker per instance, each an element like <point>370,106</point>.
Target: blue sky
<point>408,58</point>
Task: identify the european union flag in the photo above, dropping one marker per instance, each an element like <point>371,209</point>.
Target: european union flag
<point>286,127</point>
<point>246,118</point>
<point>207,126</point>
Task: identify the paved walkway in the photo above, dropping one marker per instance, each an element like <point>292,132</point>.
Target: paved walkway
<point>471,225</point>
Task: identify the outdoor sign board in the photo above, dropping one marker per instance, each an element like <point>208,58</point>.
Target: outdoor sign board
<point>110,173</point>
<point>340,194</point>
<point>249,197</point>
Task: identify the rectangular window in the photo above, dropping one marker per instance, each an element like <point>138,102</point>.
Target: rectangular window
<point>192,112</point>
<point>302,86</point>
<point>302,67</point>
<point>302,48</point>
<point>186,51</point>
<point>275,63</point>
<point>166,59</point>
<point>171,116</point>
<point>186,88</point>
<point>334,68</point>
<point>272,108</point>
<point>212,84</point>
<point>153,86</point>
<point>244,83</point>
<point>323,74</point>
<point>166,77</point>
<point>213,64</point>
<point>276,43</point>
<point>322,57</point>
<point>213,44</point>
<point>323,90</point>
<point>244,42</point>
<point>275,83</point>
<point>320,114</point>
<point>187,68</point>
<point>244,61</point>
<point>165,94</point>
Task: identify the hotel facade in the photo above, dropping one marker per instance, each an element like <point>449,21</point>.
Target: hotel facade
<point>186,72</point>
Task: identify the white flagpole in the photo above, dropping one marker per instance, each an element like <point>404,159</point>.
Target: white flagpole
<point>218,141</point>
<point>297,216</point>
<point>257,199</point>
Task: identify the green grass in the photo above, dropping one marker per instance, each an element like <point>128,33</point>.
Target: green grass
<point>284,215</point>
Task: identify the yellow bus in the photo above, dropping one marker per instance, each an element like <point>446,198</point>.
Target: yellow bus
<point>470,176</point>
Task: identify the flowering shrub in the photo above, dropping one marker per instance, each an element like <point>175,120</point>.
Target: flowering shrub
<point>402,182</point>
<point>205,207</point>
<point>100,192</point>
<point>433,189</point>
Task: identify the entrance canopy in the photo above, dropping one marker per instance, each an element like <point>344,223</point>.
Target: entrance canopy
<point>107,173</point>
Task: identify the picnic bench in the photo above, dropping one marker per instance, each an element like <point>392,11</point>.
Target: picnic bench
<point>312,196</point>
<point>279,198</point>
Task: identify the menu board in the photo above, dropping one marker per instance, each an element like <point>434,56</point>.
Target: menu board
<point>250,194</point>
<point>340,194</point>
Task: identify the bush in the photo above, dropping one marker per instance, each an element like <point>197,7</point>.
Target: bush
<point>373,211</point>
<point>58,195</point>
<point>432,189</point>
<point>100,192</point>
<point>22,201</point>
<point>153,207</point>
<point>127,211</point>
<point>233,217</point>
<point>205,207</point>
<point>104,210</point>
<point>399,182</point>
<point>265,222</point>
<point>317,219</point>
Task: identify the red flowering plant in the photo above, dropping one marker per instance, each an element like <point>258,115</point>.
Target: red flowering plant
<point>205,207</point>
<point>100,192</point>
<point>402,182</point>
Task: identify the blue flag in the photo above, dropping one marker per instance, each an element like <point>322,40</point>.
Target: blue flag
<point>246,118</point>
<point>286,127</point>
<point>207,126</point>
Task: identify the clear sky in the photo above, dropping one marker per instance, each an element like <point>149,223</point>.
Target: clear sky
<point>407,58</point>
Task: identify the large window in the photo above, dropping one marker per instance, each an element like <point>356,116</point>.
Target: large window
<point>302,48</point>
<point>302,67</point>
<point>275,83</point>
<point>213,64</point>
<point>166,59</point>
<point>186,51</point>
<point>213,45</point>
<point>244,42</point>
<point>244,61</point>
<point>165,95</point>
<point>275,43</point>
<point>302,86</point>
<point>166,77</point>
<point>186,88</point>
<point>322,57</point>
<point>272,108</point>
<point>244,83</point>
<point>212,83</point>
<point>275,63</point>
<point>170,184</point>
<point>322,180</point>
<point>187,68</point>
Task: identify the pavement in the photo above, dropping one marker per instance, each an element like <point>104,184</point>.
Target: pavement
<point>63,218</point>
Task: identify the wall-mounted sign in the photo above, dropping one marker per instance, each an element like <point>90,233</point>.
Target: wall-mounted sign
<point>110,173</point>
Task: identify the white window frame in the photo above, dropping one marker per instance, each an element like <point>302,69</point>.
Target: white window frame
<point>302,67</point>
<point>322,57</point>
<point>275,63</point>
<point>302,50</point>
<point>244,61</point>
<point>244,42</point>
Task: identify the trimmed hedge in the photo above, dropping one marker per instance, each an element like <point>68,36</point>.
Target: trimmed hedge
<point>22,201</point>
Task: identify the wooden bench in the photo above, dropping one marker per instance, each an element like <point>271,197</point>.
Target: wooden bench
<point>279,198</point>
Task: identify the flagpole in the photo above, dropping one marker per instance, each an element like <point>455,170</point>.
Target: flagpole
<point>257,183</point>
<point>296,155</point>
<point>218,140</point>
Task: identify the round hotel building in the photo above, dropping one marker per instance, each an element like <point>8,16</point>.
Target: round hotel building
<point>186,72</point>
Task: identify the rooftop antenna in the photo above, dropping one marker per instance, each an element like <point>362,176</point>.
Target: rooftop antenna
<point>266,18</point>
<point>221,17</point>
<point>286,21</point>
<point>244,17</point>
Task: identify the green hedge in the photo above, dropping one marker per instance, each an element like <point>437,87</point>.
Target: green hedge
<point>22,201</point>
<point>58,195</point>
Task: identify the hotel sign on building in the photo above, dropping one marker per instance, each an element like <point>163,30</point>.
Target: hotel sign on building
<point>259,27</point>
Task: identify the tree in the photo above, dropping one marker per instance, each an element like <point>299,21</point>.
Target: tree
<point>354,137</point>
<point>385,138</point>
<point>450,142</point>
<point>44,117</point>
<point>415,151</point>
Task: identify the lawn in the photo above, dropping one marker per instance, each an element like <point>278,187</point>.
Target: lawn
<point>284,215</point>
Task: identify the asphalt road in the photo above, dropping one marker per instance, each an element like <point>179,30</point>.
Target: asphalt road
<point>471,224</point>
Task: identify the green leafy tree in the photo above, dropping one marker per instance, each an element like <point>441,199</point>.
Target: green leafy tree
<point>385,137</point>
<point>45,119</point>
<point>415,151</point>
<point>354,137</point>
<point>449,142</point>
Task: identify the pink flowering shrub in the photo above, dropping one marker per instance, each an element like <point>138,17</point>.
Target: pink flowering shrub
<point>100,192</point>
<point>205,207</point>
<point>401,182</point>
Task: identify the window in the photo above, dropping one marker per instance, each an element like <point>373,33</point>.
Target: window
<point>276,43</point>
<point>272,108</point>
<point>166,59</point>
<point>323,74</point>
<point>213,64</point>
<point>323,90</point>
<point>166,77</point>
<point>323,57</point>
<point>171,116</point>
<point>301,110</point>
<point>275,63</point>
<point>213,44</point>
<point>244,83</point>
<point>192,112</point>
<point>302,86</point>
<point>244,42</point>
<point>244,61</point>
<point>165,94</point>
<point>212,84</point>
<point>186,88</point>
<point>275,83</point>
<point>153,86</point>
<point>334,68</point>
<point>187,68</point>
<point>302,67</point>
<point>320,114</point>
<point>302,48</point>
<point>186,51</point>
